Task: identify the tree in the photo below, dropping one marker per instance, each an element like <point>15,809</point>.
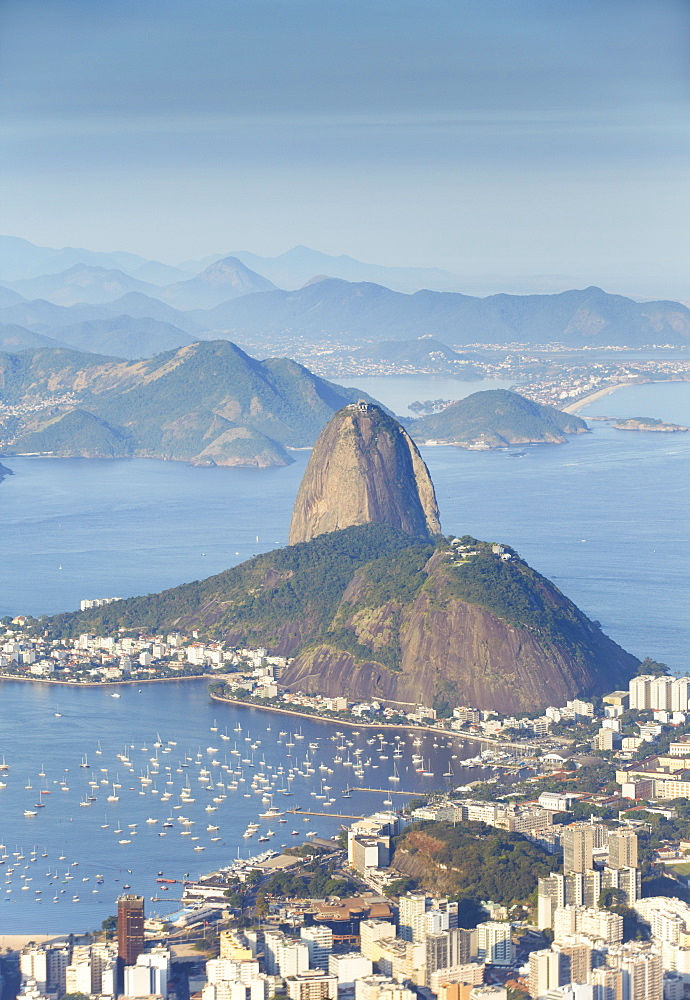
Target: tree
<point>399,886</point>
<point>609,897</point>
<point>109,925</point>
<point>650,666</point>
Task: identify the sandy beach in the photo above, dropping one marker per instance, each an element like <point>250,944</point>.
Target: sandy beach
<point>592,397</point>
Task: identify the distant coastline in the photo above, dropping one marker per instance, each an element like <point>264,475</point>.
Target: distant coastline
<point>596,394</point>
<point>99,684</point>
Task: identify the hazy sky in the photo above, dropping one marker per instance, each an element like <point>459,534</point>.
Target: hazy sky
<point>524,143</point>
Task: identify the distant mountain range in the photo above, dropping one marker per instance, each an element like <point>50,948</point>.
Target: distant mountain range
<point>21,259</point>
<point>298,266</point>
<point>229,299</point>
<point>219,282</point>
<point>343,311</point>
<point>208,403</point>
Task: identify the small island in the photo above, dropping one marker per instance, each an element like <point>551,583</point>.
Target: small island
<point>647,424</point>
<point>4,471</point>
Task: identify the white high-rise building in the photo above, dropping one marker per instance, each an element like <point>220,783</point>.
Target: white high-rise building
<point>381,988</point>
<point>292,957</point>
<point>319,941</point>
<point>544,972</point>
<point>371,931</point>
<point>680,694</point>
<point>78,978</point>
<point>660,694</point>
<point>412,909</point>
<point>312,985</point>
<point>33,964</point>
<point>640,697</point>
<point>349,968</point>
<point>494,944</point>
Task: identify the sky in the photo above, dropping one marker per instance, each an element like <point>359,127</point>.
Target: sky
<point>522,144</point>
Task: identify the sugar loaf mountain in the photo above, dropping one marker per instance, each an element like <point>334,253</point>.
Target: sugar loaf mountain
<point>371,600</point>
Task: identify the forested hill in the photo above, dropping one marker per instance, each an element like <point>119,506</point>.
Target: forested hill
<point>471,860</point>
<point>495,418</point>
<point>374,612</point>
<point>209,402</point>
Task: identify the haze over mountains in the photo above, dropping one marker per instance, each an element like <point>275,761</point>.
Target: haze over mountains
<point>134,316</point>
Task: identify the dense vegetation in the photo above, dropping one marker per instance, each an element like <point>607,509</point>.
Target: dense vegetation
<point>515,592</point>
<point>255,602</point>
<point>497,417</point>
<point>351,591</point>
<point>76,433</point>
<point>479,861</point>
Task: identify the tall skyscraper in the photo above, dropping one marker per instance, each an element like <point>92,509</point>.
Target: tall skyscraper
<point>622,848</point>
<point>578,843</point>
<point>130,928</point>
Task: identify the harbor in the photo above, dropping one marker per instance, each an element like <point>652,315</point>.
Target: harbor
<point>148,791</point>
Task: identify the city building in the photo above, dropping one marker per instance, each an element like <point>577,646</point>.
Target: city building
<point>371,932</point>
<point>312,984</point>
<point>377,987</point>
<point>578,844</point>
<point>348,968</point>
<point>319,942</point>
<point>622,848</point>
<point>130,928</point>
<point>494,945</point>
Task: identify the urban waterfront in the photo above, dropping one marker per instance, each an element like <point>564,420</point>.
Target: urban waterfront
<point>127,815</point>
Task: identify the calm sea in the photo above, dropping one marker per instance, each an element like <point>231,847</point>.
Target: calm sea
<point>604,516</point>
<point>102,828</point>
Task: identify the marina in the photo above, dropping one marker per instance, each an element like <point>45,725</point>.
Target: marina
<point>150,795</point>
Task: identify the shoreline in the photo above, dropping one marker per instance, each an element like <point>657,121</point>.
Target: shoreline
<point>98,684</point>
<point>607,390</point>
<point>597,394</point>
<point>414,727</point>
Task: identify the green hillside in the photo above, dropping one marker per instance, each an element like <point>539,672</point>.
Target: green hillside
<point>472,861</point>
<point>297,588</point>
<point>495,418</point>
<point>375,612</point>
<point>205,402</point>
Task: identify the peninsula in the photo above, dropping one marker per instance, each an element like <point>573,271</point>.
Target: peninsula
<point>379,612</point>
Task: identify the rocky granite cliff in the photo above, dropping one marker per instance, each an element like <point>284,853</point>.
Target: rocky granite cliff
<point>364,469</point>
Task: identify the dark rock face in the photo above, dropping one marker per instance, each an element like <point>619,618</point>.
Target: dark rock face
<point>364,469</point>
<point>462,652</point>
